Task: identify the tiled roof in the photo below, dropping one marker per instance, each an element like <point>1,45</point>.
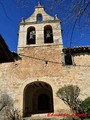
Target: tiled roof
<point>76,50</point>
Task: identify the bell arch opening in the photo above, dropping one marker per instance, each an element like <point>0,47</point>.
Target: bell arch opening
<point>48,34</point>
<point>37,98</point>
<point>39,17</point>
<point>31,36</point>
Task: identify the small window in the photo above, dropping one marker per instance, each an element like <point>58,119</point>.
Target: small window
<point>31,37</point>
<point>48,34</point>
<point>68,59</point>
<point>39,17</point>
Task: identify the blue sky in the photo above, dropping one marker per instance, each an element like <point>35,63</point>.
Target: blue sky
<point>11,12</point>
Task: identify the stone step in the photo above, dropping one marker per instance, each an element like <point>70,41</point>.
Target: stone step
<point>41,118</point>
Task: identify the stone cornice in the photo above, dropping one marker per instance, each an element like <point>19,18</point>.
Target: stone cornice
<point>48,21</point>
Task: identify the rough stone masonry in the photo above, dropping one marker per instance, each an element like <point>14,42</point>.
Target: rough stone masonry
<point>34,80</point>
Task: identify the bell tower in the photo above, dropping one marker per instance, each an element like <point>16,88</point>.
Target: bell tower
<point>39,29</point>
<point>40,47</point>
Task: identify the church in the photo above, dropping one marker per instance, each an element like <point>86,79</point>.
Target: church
<point>32,76</point>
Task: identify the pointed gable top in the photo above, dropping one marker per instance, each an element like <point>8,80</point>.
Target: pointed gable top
<point>39,10</point>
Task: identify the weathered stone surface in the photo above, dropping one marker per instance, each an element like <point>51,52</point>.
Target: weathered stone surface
<point>44,62</point>
<point>15,76</point>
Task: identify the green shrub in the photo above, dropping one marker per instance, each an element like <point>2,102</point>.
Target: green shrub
<point>86,105</point>
<point>69,94</point>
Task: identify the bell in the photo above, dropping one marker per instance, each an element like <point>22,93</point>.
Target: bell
<point>31,35</point>
<point>48,35</point>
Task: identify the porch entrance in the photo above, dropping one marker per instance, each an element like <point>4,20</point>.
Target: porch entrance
<point>38,98</point>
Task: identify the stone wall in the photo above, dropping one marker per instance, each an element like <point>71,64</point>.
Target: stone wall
<point>44,64</point>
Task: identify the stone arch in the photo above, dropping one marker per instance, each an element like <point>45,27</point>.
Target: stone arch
<point>48,34</point>
<point>34,93</point>
<point>31,35</point>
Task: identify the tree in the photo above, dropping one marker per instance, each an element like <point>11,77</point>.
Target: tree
<point>7,110</point>
<point>76,17</point>
<point>69,94</point>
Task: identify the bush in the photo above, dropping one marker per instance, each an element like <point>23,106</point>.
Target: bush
<point>7,111</point>
<point>69,94</point>
<point>86,106</point>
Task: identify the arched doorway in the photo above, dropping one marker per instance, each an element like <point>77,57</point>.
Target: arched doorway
<point>38,98</point>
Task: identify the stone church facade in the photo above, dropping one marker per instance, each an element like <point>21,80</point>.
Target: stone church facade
<point>44,66</point>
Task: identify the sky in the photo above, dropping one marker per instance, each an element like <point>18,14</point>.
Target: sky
<point>75,32</point>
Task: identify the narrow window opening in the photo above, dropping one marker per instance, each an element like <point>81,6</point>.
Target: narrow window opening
<point>39,17</point>
<point>68,59</point>
<point>46,62</point>
<point>31,37</point>
<point>48,35</point>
